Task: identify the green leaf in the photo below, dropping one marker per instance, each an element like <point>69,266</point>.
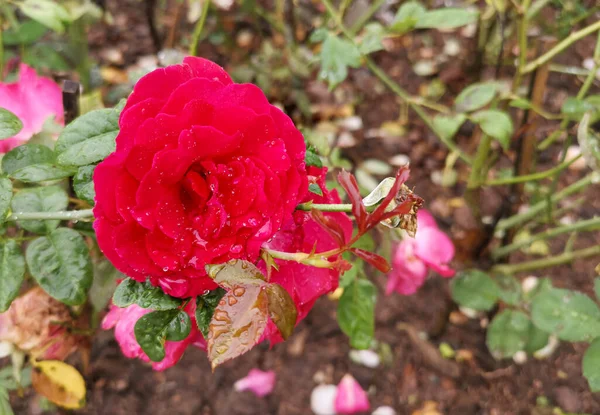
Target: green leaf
<point>475,96</point>
<point>475,289</point>
<point>33,163</point>
<point>5,408</point>
<point>315,188</point>
<point>129,292</point>
<point>89,138</point>
<point>591,365</point>
<point>371,40</point>
<point>496,124</point>
<point>61,265</point>
<point>40,199</point>
<point>446,18</point>
<point>508,333</point>
<point>407,17</point>
<point>26,33</point>
<point>6,194</point>
<point>312,159</point>
<point>448,125</point>
<point>597,287</point>
<point>282,310</point>
<point>510,289</point>
<point>574,108</point>
<point>103,285</point>
<point>10,124</point>
<point>356,313</point>
<point>205,308</point>
<point>12,273</point>
<point>46,12</point>
<point>538,339</point>
<point>47,56</point>
<point>521,103</point>
<point>153,329</point>
<point>336,55</point>
<point>570,315</point>
<point>83,183</point>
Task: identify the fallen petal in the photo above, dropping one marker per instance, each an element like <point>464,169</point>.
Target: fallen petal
<point>259,382</point>
<point>350,397</point>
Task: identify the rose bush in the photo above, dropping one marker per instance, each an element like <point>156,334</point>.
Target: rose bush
<point>205,170</point>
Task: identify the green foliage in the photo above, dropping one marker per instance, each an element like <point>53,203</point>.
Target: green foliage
<point>591,365</point>
<point>33,163</point>
<point>475,96</point>
<point>574,108</point>
<point>496,124</point>
<point>570,315</point>
<point>103,285</point>
<point>47,12</point>
<point>83,183</point>
<point>475,289</point>
<point>446,18</point>
<point>510,289</point>
<point>12,272</point>
<point>27,32</point>
<point>508,333</point>
<point>448,125</point>
<point>61,265</point>
<point>40,199</point>
<point>88,139</point>
<point>205,308</point>
<point>10,124</point>
<point>6,194</point>
<point>356,313</point>
<point>337,55</point>
<point>371,40</point>
<point>143,294</point>
<point>153,329</point>
<point>407,17</point>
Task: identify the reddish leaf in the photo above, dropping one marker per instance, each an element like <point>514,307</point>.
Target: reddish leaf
<point>330,225</point>
<point>348,182</point>
<point>282,310</point>
<point>377,261</point>
<point>235,272</point>
<point>238,323</point>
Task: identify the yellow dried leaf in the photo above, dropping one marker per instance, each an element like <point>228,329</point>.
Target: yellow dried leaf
<point>60,383</point>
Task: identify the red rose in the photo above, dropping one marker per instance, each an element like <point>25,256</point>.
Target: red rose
<point>306,283</point>
<point>205,171</point>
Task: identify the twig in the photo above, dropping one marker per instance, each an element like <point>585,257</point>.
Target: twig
<point>62,215</point>
<point>535,176</point>
<point>561,259</point>
<point>198,28</point>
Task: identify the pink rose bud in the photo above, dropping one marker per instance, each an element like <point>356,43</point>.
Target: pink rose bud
<point>350,397</point>
<point>259,382</point>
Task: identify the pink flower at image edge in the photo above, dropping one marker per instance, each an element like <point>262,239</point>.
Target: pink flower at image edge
<point>258,382</point>
<point>123,321</point>
<point>350,397</point>
<point>414,257</point>
<point>33,99</point>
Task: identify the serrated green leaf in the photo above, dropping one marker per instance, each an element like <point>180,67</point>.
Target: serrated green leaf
<point>61,265</point>
<point>129,292</point>
<point>89,138</point>
<point>205,308</point>
<point>40,199</point>
<point>12,273</point>
<point>570,315</point>
<point>448,125</point>
<point>508,333</point>
<point>446,18</point>
<point>33,163</point>
<point>475,289</point>
<point>46,12</point>
<point>591,365</point>
<point>496,124</point>
<point>312,159</point>
<point>510,289</point>
<point>6,194</point>
<point>475,96</point>
<point>28,32</point>
<point>407,17</point>
<point>83,183</point>
<point>372,38</point>
<point>152,329</point>
<point>315,188</point>
<point>337,55</point>
<point>10,124</point>
<point>356,313</point>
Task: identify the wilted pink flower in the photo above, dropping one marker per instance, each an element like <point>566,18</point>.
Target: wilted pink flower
<point>413,257</point>
<point>39,325</point>
<point>124,319</point>
<point>259,382</point>
<point>33,99</point>
<point>350,397</point>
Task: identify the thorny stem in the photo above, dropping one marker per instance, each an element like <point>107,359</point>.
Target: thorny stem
<point>539,207</point>
<point>535,176</point>
<point>584,225</point>
<point>62,215</point>
<point>561,259</point>
<point>568,41</point>
<point>324,207</point>
<point>393,86</point>
<point>198,28</point>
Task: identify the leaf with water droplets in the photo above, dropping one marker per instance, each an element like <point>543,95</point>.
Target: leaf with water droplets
<point>130,291</point>
<point>40,199</point>
<point>570,315</point>
<point>205,308</point>
<point>282,310</point>
<point>153,329</point>
<point>33,163</point>
<point>235,273</point>
<point>238,323</point>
